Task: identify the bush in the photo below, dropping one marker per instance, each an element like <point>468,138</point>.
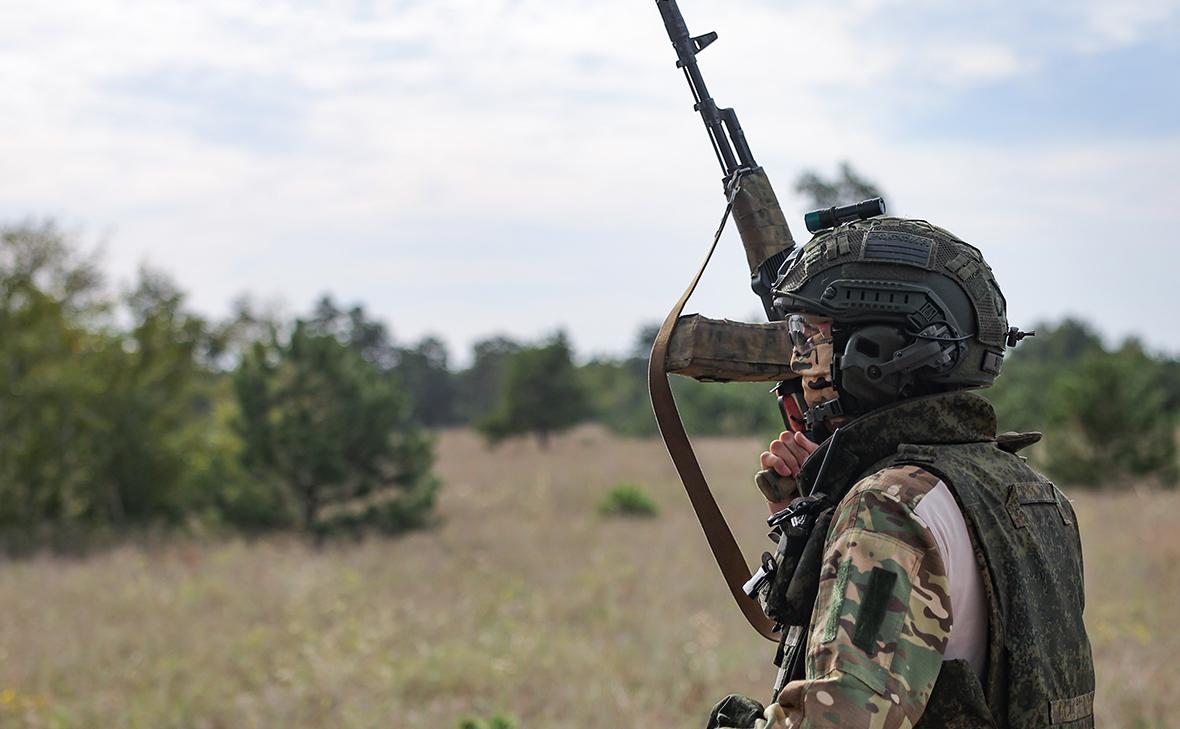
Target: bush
<point>498,721</point>
<point>627,499</point>
<point>387,514</point>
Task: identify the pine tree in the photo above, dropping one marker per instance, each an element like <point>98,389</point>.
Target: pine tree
<point>541,394</point>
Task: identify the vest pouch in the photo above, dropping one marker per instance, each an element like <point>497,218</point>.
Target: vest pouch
<point>793,590</point>
<point>957,701</point>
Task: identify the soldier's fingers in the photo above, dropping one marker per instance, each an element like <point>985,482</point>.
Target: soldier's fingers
<point>801,447</point>
<point>806,442</point>
<point>798,451</point>
<point>769,461</point>
<point>781,450</point>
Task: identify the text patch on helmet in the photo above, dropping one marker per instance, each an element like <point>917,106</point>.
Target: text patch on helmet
<point>898,247</point>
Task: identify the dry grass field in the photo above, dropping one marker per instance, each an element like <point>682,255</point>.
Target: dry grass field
<point>522,601</point>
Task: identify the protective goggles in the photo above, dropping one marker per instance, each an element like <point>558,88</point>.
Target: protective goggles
<point>807,333</point>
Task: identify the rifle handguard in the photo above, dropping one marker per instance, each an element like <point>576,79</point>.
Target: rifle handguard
<point>760,219</point>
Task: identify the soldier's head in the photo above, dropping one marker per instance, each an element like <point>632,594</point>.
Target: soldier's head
<point>886,309</point>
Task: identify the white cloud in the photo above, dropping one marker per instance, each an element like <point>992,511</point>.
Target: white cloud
<point>974,62</point>
<point>472,166</point>
<point>1108,25</point>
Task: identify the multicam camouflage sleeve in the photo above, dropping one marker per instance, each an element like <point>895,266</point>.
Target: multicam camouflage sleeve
<point>883,614</point>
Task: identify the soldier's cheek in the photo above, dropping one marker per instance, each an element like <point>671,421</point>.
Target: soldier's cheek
<point>809,366</point>
<point>820,394</point>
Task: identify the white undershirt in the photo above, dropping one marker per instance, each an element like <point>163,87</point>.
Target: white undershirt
<point>968,638</point>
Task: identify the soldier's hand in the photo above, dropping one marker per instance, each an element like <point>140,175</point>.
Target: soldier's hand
<point>785,457</point>
<point>787,453</point>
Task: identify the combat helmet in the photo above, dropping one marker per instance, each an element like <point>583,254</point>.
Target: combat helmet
<point>915,310</point>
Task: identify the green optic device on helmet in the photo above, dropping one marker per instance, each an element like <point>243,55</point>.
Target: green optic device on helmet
<point>914,310</point>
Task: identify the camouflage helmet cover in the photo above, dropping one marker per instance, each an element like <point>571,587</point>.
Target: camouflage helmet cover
<point>910,275</point>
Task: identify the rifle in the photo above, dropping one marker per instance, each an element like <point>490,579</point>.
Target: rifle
<point>723,351</point>
<point>756,212</point>
<point>726,351</point>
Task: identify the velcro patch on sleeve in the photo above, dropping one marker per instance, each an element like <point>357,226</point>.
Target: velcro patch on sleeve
<point>873,608</point>
<point>833,622</point>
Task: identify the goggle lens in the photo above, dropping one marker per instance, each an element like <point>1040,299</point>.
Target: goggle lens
<point>806,334</point>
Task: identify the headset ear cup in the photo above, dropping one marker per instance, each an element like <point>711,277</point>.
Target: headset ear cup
<point>861,365</point>
<point>952,349</point>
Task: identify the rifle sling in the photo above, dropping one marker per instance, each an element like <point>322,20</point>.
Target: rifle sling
<point>721,540</point>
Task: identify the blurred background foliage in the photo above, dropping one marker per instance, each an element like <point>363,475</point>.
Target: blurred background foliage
<point>124,409</point>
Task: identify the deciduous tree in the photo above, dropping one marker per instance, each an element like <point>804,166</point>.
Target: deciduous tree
<point>329,426</point>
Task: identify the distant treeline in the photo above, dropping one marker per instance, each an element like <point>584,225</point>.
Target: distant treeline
<point>1110,414</point>
<point>130,408</point>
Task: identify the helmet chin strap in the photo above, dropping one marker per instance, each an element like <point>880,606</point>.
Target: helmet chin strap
<point>798,416</point>
<point>819,416</point>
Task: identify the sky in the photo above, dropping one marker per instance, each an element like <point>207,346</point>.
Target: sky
<point>472,167</point>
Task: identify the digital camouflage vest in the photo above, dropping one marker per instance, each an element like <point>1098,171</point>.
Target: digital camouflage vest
<point>1040,671</point>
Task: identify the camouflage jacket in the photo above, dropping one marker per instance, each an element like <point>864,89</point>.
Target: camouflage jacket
<point>882,615</point>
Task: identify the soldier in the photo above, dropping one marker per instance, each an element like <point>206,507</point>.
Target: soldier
<point>945,587</point>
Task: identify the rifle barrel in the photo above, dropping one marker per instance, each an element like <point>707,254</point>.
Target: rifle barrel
<point>721,125</point>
